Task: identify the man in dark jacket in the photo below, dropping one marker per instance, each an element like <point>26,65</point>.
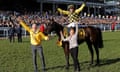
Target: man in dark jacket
<point>19,33</point>
<point>11,33</point>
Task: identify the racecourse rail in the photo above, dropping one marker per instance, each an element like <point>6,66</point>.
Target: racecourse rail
<point>103,27</point>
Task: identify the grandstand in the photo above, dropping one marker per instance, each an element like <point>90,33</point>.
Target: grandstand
<point>96,7</point>
<point>112,7</point>
<point>93,6</point>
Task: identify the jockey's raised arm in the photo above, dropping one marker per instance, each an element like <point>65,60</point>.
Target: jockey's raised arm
<point>80,9</point>
<point>63,11</point>
<point>23,24</point>
<point>72,14</point>
<point>66,12</point>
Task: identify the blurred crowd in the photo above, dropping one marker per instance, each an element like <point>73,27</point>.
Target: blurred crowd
<point>8,18</point>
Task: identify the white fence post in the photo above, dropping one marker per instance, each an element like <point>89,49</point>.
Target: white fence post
<point>104,29</point>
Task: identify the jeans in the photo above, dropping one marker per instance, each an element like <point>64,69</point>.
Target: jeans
<point>74,54</point>
<point>34,52</point>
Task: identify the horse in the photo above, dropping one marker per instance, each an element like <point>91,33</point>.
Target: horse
<point>92,37</point>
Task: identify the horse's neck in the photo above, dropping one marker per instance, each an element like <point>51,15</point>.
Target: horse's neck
<point>58,34</point>
<point>60,28</point>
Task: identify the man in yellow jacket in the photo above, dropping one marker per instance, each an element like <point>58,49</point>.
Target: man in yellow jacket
<point>72,14</point>
<point>35,38</point>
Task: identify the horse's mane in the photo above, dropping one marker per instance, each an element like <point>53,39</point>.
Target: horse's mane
<point>58,26</point>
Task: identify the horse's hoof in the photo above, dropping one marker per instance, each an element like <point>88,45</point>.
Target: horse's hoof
<point>91,64</point>
<point>97,64</point>
<point>67,67</point>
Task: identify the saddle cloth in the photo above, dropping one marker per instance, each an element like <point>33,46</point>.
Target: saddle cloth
<point>81,35</point>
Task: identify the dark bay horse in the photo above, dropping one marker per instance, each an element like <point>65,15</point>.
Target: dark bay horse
<point>92,37</point>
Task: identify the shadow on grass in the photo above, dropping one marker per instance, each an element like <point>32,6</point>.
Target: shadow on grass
<point>107,40</point>
<point>109,61</point>
<point>86,65</point>
<point>105,62</point>
<point>25,41</point>
<point>56,67</point>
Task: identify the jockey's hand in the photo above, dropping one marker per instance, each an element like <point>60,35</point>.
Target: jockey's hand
<point>47,38</point>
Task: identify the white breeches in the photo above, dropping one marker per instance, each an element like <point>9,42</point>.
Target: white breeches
<point>71,24</point>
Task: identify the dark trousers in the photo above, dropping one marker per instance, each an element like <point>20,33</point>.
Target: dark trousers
<point>34,52</point>
<point>19,36</point>
<point>74,54</point>
<point>12,38</point>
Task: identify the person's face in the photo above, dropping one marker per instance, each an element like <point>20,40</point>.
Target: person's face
<point>72,31</point>
<point>71,10</point>
<point>34,27</point>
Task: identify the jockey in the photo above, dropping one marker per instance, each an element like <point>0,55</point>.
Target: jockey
<point>72,14</point>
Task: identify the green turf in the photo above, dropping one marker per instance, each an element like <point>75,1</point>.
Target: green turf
<point>17,57</point>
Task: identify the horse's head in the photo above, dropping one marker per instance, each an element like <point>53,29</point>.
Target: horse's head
<point>53,26</point>
<point>50,26</point>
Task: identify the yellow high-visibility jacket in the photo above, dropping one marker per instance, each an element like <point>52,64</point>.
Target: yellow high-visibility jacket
<point>35,38</point>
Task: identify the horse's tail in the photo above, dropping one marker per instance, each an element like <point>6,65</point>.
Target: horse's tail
<point>100,39</point>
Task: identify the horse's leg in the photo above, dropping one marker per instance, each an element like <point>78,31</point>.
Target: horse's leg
<point>66,51</point>
<point>97,54</point>
<point>91,50</point>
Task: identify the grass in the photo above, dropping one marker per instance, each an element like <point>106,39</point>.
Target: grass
<point>17,57</point>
